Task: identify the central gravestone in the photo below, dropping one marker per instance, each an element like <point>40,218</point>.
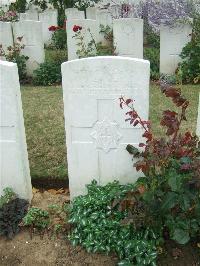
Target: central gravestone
<point>96,131</point>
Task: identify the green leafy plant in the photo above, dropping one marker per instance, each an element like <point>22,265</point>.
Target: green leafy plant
<point>13,54</point>
<point>19,6</point>
<point>99,225</point>
<point>47,74</point>
<point>153,55</point>
<point>8,195</point>
<point>37,218</point>
<point>171,165</point>
<point>189,68</point>
<point>12,210</point>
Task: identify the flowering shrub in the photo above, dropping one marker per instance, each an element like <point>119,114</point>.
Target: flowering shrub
<point>8,16</point>
<point>77,28</point>
<point>59,37</point>
<point>13,54</point>
<point>171,165</point>
<point>92,48</point>
<point>84,50</point>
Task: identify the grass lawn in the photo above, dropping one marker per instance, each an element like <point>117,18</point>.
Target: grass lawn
<point>44,123</point>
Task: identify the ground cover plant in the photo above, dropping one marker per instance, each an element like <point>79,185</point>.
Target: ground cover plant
<point>12,211</point>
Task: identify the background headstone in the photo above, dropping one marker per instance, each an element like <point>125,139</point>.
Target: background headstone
<point>29,15</point>
<point>91,13</point>
<point>128,37</point>
<point>198,120</point>
<point>48,18</point>
<point>72,42</point>
<point>14,170</point>
<point>74,13</point>
<point>172,41</point>
<point>6,36</point>
<point>96,131</point>
<point>33,41</point>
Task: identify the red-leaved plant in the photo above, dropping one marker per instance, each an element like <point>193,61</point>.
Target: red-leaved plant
<point>170,189</point>
<point>158,151</point>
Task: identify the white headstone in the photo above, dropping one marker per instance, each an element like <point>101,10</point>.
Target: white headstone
<point>14,172</point>
<point>74,13</point>
<point>91,13</point>
<point>29,15</point>
<point>172,41</point>
<point>6,37</point>
<point>72,43</point>
<point>198,120</point>
<point>48,18</point>
<point>33,40</point>
<point>96,131</point>
<point>128,37</point>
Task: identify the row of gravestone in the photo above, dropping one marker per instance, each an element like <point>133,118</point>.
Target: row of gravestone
<point>96,131</point>
<point>128,35</point>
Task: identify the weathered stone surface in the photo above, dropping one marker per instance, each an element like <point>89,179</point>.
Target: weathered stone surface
<point>33,40</point>
<point>128,37</point>
<point>198,120</point>
<point>13,150</point>
<point>6,37</point>
<point>74,13</point>
<point>96,131</point>
<point>29,15</point>
<point>91,13</point>
<point>172,41</point>
<point>89,28</point>
<point>48,18</point>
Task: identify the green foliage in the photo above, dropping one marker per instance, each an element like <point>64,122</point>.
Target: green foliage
<point>190,67</point>
<point>47,74</point>
<point>12,210</point>
<point>8,195</point>
<point>99,225</point>
<point>59,39</point>
<point>37,218</point>
<point>19,6</point>
<point>153,55</point>
<point>13,54</point>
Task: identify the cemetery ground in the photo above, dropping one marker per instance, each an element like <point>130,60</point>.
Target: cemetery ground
<point>52,251</point>
<point>44,123</point>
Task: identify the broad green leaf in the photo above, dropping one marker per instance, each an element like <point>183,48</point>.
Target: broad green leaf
<point>181,236</point>
<point>169,201</point>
